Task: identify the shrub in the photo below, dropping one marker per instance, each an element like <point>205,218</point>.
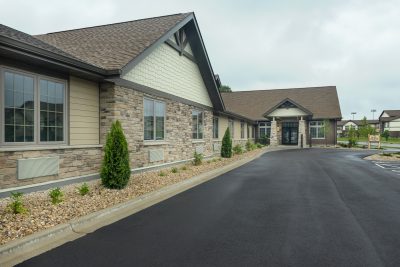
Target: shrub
<point>83,189</point>
<point>226,148</point>
<point>385,135</point>
<point>184,168</point>
<point>342,144</point>
<point>16,206</point>
<point>115,170</point>
<point>174,170</point>
<point>237,149</point>
<point>162,173</point>
<point>259,145</point>
<point>198,159</point>
<point>352,138</point>
<point>250,145</point>
<point>56,195</point>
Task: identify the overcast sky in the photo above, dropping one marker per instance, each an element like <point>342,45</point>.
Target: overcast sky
<point>254,45</point>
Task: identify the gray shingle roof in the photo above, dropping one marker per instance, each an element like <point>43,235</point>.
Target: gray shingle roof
<point>112,46</point>
<point>30,40</point>
<point>323,102</point>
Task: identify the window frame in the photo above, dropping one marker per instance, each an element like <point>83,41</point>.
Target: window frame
<point>242,134</point>
<point>232,131</point>
<point>215,129</point>
<point>265,125</point>
<point>317,127</point>
<point>202,117</point>
<point>154,139</point>
<point>36,126</point>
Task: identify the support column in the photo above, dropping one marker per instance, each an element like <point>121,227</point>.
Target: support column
<point>302,132</point>
<point>274,139</point>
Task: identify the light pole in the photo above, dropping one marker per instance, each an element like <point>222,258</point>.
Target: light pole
<point>373,111</point>
<point>353,113</point>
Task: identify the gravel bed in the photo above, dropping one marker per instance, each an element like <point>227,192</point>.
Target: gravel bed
<point>42,214</point>
<point>381,157</point>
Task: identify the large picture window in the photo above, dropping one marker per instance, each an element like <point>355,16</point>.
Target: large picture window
<point>242,130</point>
<point>154,119</point>
<point>215,128</point>
<point>27,97</point>
<point>317,129</point>
<point>197,124</point>
<point>264,129</point>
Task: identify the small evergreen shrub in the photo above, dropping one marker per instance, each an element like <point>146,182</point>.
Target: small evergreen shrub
<point>16,206</point>
<point>56,195</point>
<point>385,135</point>
<point>83,189</point>
<point>226,148</point>
<point>162,173</point>
<point>259,145</point>
<point>250,145</point>
<point>198,159</point>
<point>237,149</point>
<point>115,169</point>
<point>184,168</point>
<point>174,170</point>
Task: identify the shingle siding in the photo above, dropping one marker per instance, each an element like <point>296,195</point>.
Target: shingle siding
<point>165,70</point>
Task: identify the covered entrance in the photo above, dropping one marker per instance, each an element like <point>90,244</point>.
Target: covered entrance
<point>290,133</point>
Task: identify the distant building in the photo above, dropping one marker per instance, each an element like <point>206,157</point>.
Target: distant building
<point>390,120</point>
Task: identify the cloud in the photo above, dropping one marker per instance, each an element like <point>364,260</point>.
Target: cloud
<point>264,44</point>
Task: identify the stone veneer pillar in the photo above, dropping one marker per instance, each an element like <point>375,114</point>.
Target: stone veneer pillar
<point>274,133</point>
<point>302,132</point>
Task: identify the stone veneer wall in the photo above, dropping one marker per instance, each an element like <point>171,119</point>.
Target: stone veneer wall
<point>73,162</point>
<point>126,105</point>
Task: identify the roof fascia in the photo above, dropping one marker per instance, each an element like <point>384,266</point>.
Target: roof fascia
<point>291,101</point>
<point>42,54</point>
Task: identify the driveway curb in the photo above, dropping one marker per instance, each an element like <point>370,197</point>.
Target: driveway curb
<point>25,248</point>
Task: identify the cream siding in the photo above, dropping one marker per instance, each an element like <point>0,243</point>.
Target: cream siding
<point>287,112</point>
<point>222,126</point>
<point>394,125</point>
<point>165,70</point>
<point>84,112</point>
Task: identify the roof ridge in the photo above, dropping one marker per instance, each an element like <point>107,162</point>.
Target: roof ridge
<point>294,88</point>
<point>115,23</point>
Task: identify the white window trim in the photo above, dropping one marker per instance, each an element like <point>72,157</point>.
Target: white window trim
<point>265,126</point>
<point>242,130</point>
<point>36,135</point>
<point>202,116</point>
<point>317,127</point>
<point>154,140</point>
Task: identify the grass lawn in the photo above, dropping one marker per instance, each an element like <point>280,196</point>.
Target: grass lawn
<point>391,140</point>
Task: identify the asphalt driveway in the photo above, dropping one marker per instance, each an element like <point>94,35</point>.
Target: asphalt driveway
<point>309,207</point>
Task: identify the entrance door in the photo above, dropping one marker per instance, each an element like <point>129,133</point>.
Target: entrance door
<point>290,132</point>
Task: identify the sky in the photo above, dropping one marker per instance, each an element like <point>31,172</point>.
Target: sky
<point>253,45</point>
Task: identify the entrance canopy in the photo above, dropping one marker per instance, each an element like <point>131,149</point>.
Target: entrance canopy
<point>287,109</point>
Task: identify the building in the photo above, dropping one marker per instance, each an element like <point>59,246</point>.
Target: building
<point>390,120</point>
<point>290,116</point>
<point>345,125</point>
<point>63,90</point>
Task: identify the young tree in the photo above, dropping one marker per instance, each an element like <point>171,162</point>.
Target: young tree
<point>365,129</point>
<point>385,135</point>
<point>352,137</point>
<point>226,148</point>
<point>115,169</point>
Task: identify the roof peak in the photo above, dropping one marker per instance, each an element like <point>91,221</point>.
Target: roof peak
<point>296,88</point>
<point>116,23</point>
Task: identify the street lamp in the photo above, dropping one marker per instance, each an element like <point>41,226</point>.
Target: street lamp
<point>353,113</point>
<point>373,111</point>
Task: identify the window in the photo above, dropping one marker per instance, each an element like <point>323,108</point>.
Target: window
<point>264,129</point>
<point>25,118</point>
<point>253,132</point>
<point>215,128</point>
<point>248,131</point>
<point>51,110</point>
<point>231,129</point>
<point>154,119</point>
<point>197,124</point>
<point>242,130</point>
<point>317,129</point>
